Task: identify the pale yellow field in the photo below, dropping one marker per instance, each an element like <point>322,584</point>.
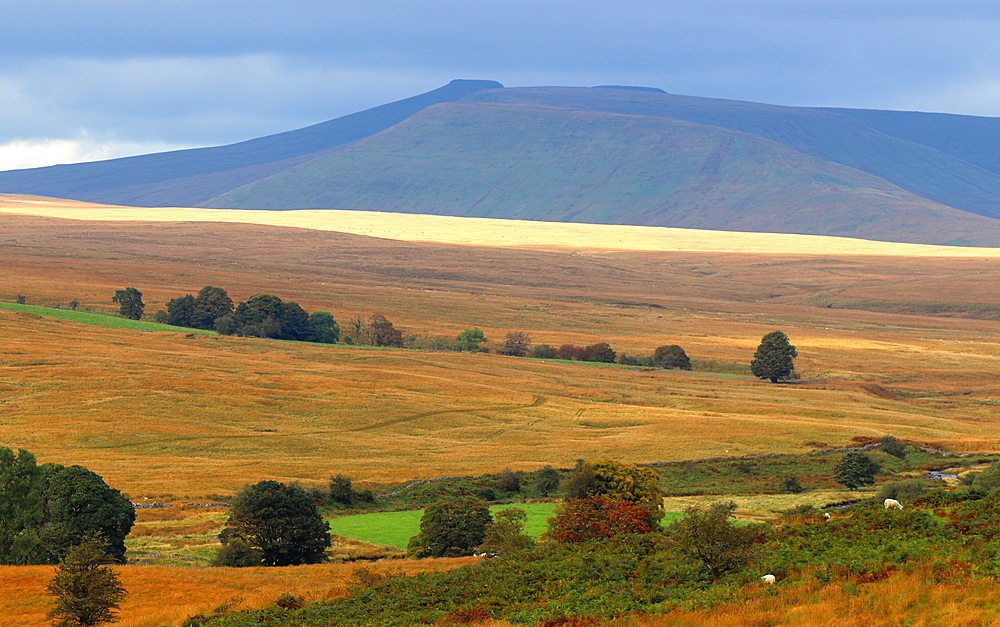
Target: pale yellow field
<point>492,232</point>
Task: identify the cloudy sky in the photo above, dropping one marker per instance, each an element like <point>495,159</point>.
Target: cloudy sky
<point>93,79</point>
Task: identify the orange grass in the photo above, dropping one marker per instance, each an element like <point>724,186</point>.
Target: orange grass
<point>901,599</point>
<point>163,415</point>
<point>165,595</point>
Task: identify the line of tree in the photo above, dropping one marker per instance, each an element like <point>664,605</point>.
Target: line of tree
<point>261,315</point>
<point>518,344</point>
<point>45,510</point>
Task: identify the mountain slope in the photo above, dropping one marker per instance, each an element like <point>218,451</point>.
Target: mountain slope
<point>189,177</point>
<point>544,163</point>
<point>959,178</point>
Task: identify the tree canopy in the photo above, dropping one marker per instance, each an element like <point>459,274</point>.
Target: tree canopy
<point>451,528</point>
<point>280,522</point>
<point>706,534</point>
<point>773,358</point>
<point>671,356</point>
<point>855,469</point>
<point>470,340</point>
<point>46,510</point>
<point>129,303</point>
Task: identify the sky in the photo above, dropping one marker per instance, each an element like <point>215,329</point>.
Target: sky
<point>82,80</point>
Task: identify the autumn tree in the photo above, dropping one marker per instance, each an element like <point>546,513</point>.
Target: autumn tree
<point>515,344</point>
<point>87,591</point>
<point>129,303</point>
<point>773,358</point>
<point>618,481</point>
<point>597,517</point>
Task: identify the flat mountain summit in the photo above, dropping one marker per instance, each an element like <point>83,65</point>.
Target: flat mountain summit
<point>605,155</point>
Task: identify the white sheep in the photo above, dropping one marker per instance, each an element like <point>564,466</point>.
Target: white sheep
<point>826,515</point>
<point>892,503</point>
<point>768,578</point>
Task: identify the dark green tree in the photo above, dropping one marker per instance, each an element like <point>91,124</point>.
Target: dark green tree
<point>774,358</point>
<point>129,303</point>
<point>279,521</point>
<point>325,328</point>
<point>211,304</point>
<point>22,506</point>
<point>893,447</point>
<point>505,535</point>
<point>547,480</point>
<point>470,340</point>
<point>79,504</point>
<point>854,470</point>
<point>179,311</point>
<point>295,323</point>
<point>706,534</point>
<point>451,528</point>
<point>341,490</point>
<point>601,352</point>
<point>256,311</point>
<point>671,356</point>
<point>86,589</point>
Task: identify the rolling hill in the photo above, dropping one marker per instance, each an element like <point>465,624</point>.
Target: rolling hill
<point>609,155</point>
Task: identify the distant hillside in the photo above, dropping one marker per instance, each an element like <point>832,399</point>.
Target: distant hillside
<point>537,163</point>
<point>605,155</point>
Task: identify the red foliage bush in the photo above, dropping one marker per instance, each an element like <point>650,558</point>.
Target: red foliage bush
<point>595,518</point>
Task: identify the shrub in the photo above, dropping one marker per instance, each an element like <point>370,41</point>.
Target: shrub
<point>509,481</point>
<point>87,591</point>
<point>706,534</point>
<point>893,447</point>
<point>907,489</point>
<point>504,535</point>
<point>236,553</point>
<point>543,351</point>
<point>790,484</point>
<point>595,518</point>
<point>341,490</point>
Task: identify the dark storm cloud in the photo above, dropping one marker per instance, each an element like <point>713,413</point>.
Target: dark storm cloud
<point>215,71</point>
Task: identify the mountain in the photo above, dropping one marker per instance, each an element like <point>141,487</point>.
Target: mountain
<point>183,178</point>
<point>603,154</point>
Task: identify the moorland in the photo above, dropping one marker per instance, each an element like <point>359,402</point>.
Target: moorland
<point>891,341</point>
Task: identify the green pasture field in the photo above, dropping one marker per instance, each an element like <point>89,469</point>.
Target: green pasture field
<point>396,528</point>
<point>99,320</point>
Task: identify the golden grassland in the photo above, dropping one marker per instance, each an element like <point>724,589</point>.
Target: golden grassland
<point>168,595</point>
<point>173,416</point>
<point>488,231</point>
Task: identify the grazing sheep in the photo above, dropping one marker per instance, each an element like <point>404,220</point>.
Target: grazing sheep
<point>892,503</point>
<point>826,515</point>
<point>768,578</point>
